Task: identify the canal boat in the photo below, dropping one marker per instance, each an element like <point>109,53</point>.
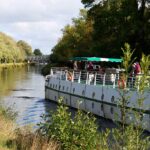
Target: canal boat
<point>99,93</point>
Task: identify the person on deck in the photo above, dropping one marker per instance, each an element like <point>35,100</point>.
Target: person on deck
<point>75,66</point>
<point>137,68</point>
<point>90,66</point>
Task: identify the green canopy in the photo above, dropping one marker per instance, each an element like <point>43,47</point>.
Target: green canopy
<point>96,59</point>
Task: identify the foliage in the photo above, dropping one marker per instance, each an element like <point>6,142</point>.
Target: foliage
<point>37,52</point>
<point>62,131</point>
<point>77,133</point>
<point>9,52</point>
<point>125,99</point>
<point>127,58</point>
<point>80,132</point>
<point>25,48</point>
<point>132,139</point>
<point>46,69</point>
<point>117,22</point>
<point>103,28</point>
<point>76,40</point>
<point>12,51</point>
<point>26,139</point>
<point>8,112</point>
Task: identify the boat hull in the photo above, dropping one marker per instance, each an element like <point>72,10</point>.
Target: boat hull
<point>99,100</point>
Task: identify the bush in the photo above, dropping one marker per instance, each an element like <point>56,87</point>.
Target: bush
<point>79,132</point>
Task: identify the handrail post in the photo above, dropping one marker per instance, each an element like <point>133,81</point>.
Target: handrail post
<point>66,74</point>
<point>51,71</point>
<point>72,80</point>
<point>138,82</point>
<point>95,78</point>
<point>104,79</point>
<point>79,79</point>
<point>87,74</point>
<point>114,84</point>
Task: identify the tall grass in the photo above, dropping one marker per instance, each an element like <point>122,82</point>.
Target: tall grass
<point>7,127</point>
<point>13,138</point>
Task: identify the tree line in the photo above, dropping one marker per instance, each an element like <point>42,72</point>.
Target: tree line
<point>103,28</point>
<point>12,51</point>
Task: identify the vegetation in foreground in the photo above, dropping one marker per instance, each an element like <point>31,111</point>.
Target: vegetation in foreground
<point>81,132</point>
<point>12,138</point>
<point>60,131</point>
<point>7,127</point>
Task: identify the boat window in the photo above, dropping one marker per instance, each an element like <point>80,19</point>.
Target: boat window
<point>56,86</point>
<point>102,107</point>
<point>102,97</point>
<point>59,86</point>
<point>93,94</point>
<point>63,87</point>
<point>53,85</point>
<point>55,98</point>
<point>93,105</point>
<point>111,110</point>
<point>73,90</point>
<point>66,100</point>
<point>67,89</point>
<point>83,92</point>
<point>113,99</point>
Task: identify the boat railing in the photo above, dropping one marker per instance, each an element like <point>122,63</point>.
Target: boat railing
<point>96,78</point>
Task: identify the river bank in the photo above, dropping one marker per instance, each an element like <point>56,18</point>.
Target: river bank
<point>11,65</point>
<point>13,138</point>
<point>6,129</point>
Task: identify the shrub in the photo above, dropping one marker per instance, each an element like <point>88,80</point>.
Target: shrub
<point>79,132</point>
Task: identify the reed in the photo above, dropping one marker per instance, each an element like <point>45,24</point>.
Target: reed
<point>7,127</point>
<point>13,138</point>
<point>25,139</point>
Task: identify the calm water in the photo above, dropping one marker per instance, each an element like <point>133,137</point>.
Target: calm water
<point>23,90</point>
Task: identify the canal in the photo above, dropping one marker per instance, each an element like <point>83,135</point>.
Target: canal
<point>22,89</point>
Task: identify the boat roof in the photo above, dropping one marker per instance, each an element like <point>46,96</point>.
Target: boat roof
<point>96,59</point>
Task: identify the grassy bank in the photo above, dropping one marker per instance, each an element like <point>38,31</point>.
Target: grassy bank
<point>13,138</point>
<point>11,65</point>
<point>7,127</point>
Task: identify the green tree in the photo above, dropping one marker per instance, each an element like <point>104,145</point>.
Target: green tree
<point>117,22</point>
<point>9,51</point>
<point>25,48</point>
<point>76,39</point>
<point>37,52</point>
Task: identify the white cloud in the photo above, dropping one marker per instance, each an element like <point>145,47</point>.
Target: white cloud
<point>39,22</point>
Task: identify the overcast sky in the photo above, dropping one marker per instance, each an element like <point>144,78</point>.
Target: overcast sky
<point>38,22</point>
